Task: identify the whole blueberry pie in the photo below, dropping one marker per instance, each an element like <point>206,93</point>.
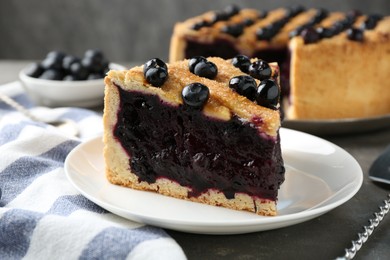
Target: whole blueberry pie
<point>200,129</point>
<point>333,64</point>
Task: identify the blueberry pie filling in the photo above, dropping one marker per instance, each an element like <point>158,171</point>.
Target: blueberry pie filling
<point>196,138</point>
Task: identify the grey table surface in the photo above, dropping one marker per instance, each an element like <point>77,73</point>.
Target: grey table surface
<point>324,237</point>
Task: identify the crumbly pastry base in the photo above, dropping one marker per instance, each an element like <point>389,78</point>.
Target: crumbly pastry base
<point>117,160</point>
<point>211,197</point>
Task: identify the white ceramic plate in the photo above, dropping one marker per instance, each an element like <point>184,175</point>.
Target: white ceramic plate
<point>319,177</point>
<point>339,126</point>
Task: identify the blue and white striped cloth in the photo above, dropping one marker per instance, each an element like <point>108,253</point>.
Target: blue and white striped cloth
<point>42,216</point>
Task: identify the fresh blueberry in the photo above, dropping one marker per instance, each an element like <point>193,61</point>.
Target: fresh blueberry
<point>281,22</point>
<point>52,62</point>
<point>225,14</point>
<point>294,11</point>
<point>260,70</point>
<point>377,17</point>
<point>274,28</point>
<point>155,63</point>
<point>94,53</point>
<point>371,22</point>
<point>310,35</point>
<point>242,62</point>
<point>34,70</point>
<point>325,32</point>
<point>68,60</point>
<point>262,14</point>
<point>298,9</point>
<point>156,72</point>
<point>156,76</point>
<point>195,95</point>
<point>52,74</point>
<point>234,30</point>
<point>219,16</point>
<point>347,22</point>
<point>337,27</point>
<point>94,60</point>
<point>320,15</point>
<point>231,10</point>
<point>354,13</point>
<point>247,22</point>
<point>355,34</point>
<point>278,25</point>
<point>297,31</point>
<point>266,33</point>
<point>195,60</point>
<point>244,85</point>
<point>268,94</point>
<point>79,71</point>
<point>92,64</point>
<point>329,32</point>
<point>58,55</point>
<point>206,69</point>
<point>368,24</point>
<point>198,25</point>
<point>344,24</point>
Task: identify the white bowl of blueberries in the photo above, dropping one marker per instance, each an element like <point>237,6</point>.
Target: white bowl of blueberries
<point>66,80</point>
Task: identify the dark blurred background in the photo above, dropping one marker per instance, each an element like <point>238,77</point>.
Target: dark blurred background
<point>126,30</point>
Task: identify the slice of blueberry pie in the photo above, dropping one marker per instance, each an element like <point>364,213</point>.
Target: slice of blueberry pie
<point>333,64</point>
<point>199,129</point>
